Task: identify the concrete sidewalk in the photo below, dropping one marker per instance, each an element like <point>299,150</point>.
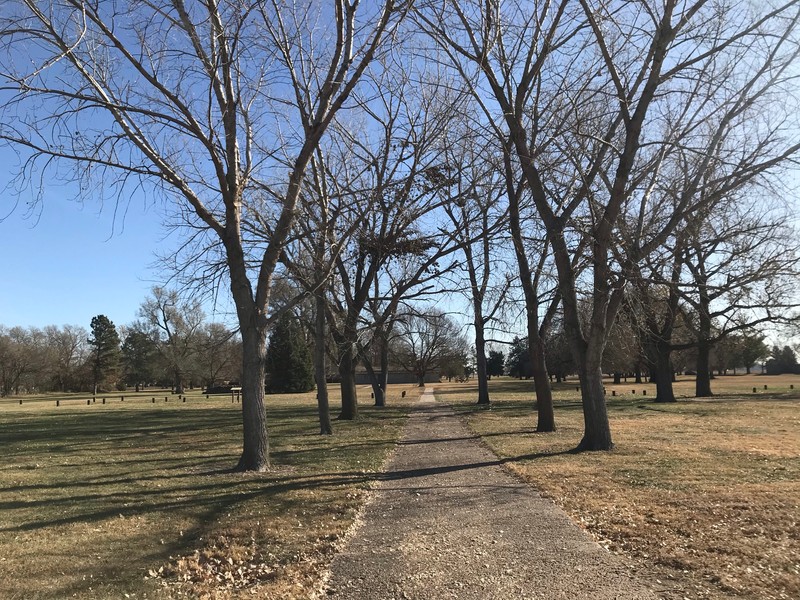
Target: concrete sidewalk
<point>448,521</point>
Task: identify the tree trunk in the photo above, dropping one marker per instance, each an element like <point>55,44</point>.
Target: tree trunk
<point>347,372</point>
<point>255,450</point>
<point>375,382</point>
<point>597,433</point>
<point>617,377</point>
<point>384,375</point>
<point>545,417</point>
<point>480,360</point>
<point>703,380</point>
<point>178,382</point>
<point>663,369</point>
<point>323,406</point>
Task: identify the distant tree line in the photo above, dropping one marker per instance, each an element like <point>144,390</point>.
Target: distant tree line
<point>170,345</point>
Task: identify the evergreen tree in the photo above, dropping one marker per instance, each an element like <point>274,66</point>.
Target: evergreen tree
<point>518,362</point>
<point>495,363</point>
<point>289,364</point>
<point>139,356</point>
<point>105,350</point>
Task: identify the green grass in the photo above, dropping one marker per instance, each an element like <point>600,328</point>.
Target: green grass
<point>138,498</point>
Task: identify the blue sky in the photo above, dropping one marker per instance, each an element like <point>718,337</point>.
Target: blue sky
<point>75,261</point>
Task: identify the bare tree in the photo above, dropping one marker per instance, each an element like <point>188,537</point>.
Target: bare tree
<point>426,341</point>
<point>479,215</point>
<point>219,106</point>
<point>742,267</point>
<point>624,94</point>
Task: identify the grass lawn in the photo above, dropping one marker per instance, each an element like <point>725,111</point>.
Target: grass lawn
<point>704,494</point>
<point>131,499</point>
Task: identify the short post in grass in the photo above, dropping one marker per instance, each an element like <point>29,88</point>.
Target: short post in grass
<point>88,402</point>
<point>765,386</point>
<point>166,398</point>
<point>154,400</point>
<point>613,392</point>
<point>58,402</point>
<point>754,390</point>
<point>122,398</point>
<point>184,398</point>
<point>403,394</point>
<point>644,392</point>
<point>791,386</point>
<point>104,400</point>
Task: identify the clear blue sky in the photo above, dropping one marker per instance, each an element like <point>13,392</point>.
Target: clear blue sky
<point>74,261</point>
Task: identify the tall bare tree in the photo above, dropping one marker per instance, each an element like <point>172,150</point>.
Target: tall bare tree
<point>623,93</point>
<point>209,103</point>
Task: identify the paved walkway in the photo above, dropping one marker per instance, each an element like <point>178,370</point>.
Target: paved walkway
<point>447,521</point>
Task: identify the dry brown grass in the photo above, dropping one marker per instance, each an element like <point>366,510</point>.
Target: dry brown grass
<point>703,494</point>
<point>135,500</point>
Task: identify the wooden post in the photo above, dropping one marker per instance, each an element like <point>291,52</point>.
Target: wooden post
<point>58,402</point>
<point>644,392</point>
<point>613,392</point>
<point>754,390</point>
<point>154,400</point>
<point>104,400</point>
<point>765,386</point>
<point>88,403</point>
<point>404,394</point>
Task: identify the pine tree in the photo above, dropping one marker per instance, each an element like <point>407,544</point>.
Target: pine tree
<point>289,364</point>
<point>105,350</point>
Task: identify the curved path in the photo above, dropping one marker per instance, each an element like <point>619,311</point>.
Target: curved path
<point>448,521</point>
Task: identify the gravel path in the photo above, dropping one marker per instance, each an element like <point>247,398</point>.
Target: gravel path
<point>447,521</point>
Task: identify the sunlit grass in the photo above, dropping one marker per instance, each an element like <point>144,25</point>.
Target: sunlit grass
<point>706,492</point>
<point>131,497</point>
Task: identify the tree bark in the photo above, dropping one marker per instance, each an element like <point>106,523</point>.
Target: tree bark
<point>664,372</point>
<point>480,357</point>
<point>702,388</point>
<point>347,372</point>
<point>375,382</point>
<point>597,433</point>
<point>545,416</point>
<point>255,449</point>
<point>323,405</point>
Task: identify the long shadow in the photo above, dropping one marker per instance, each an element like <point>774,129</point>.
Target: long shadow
<point>428,471</point>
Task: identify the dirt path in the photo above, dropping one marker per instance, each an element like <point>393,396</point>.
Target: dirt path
<point>447,521</point>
